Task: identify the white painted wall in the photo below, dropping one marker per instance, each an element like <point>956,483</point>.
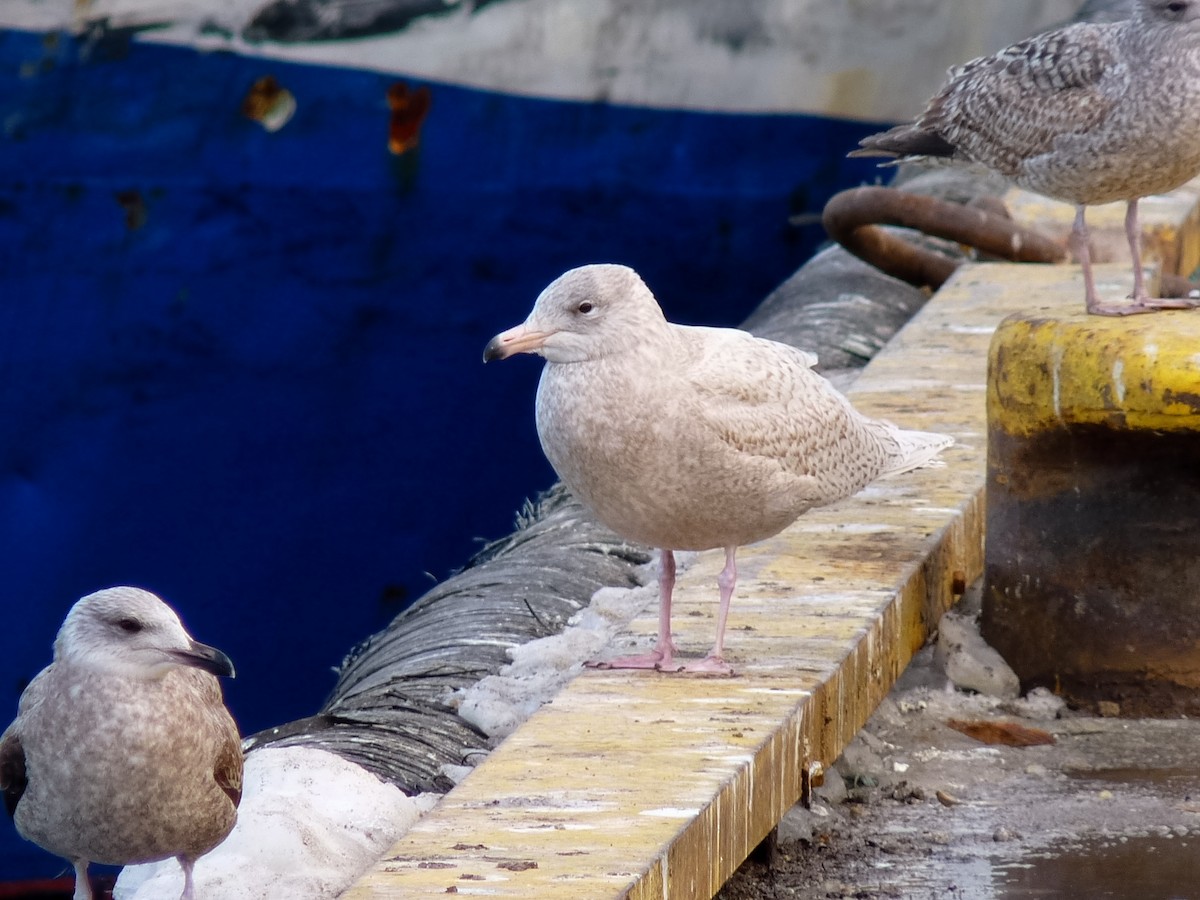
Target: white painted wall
<point>868,59</point>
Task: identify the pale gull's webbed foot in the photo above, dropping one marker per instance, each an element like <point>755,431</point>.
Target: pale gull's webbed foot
<point>710,665</point>
<point>663,654</point>
<point>661,657</point>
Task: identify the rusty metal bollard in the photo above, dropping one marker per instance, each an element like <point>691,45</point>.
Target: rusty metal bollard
<point>1092,561</point>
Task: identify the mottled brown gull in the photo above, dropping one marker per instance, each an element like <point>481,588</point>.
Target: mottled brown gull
<point>1086,114</point>
<point>122,750</point>
<point>690,438</point>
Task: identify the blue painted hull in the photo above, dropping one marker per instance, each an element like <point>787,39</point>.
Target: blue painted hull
<point>242,369</point>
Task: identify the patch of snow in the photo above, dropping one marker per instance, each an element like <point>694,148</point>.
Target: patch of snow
<point>539,669</point>
<point>309,824</point>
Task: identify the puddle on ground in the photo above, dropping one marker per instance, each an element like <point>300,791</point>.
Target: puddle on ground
<point>1178,782</point>
<point>1155,867</point>
<point>1151,861</point>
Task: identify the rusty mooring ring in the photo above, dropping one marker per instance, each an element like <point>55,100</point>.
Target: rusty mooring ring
<point>853,217</point>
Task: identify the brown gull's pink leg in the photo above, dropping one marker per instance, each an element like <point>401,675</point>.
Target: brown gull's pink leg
<point>83,887</point>
<point>664,649</point>
<point>189,892</point>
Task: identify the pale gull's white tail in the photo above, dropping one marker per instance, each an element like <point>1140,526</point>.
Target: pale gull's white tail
<point>908,450</point>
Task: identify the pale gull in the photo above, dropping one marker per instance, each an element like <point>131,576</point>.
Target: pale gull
<point>689,438</point>
<point>122,750</point>
<point>1086,114</point>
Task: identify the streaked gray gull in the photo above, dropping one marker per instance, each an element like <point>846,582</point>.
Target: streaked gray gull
<point>690,438</point>
<point>1086,114</point>
<point>122,750</point>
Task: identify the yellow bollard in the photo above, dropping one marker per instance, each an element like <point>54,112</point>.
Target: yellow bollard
<point>1092,561</point>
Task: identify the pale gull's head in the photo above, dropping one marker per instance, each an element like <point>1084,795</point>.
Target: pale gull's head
<point>584,314</point>
<point>131,632</point>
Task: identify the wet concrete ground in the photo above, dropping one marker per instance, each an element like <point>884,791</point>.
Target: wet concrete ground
<point>917,809</point>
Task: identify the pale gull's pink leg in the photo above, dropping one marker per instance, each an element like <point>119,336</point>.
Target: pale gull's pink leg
<point>714,663</point>
<point>83,888</point>
<point>664,650</point>
<point>1140,301</point>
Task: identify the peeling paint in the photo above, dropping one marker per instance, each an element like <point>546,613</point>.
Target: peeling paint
<point>1118,372</point>
<point>1056,380</point>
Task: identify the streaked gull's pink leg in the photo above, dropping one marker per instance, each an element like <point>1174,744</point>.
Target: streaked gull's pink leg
<point>1134,235</point>
<point>714,663</point>
<point>186,862</point>
<point>1140,302</point>
<point>1083,254</point>
<point>664,649</point>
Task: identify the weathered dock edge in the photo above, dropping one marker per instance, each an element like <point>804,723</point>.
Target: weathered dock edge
<point>642,785</point>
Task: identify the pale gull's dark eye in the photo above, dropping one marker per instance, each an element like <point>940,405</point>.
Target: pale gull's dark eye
<point>586,307</point>
<point>129,626</point>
